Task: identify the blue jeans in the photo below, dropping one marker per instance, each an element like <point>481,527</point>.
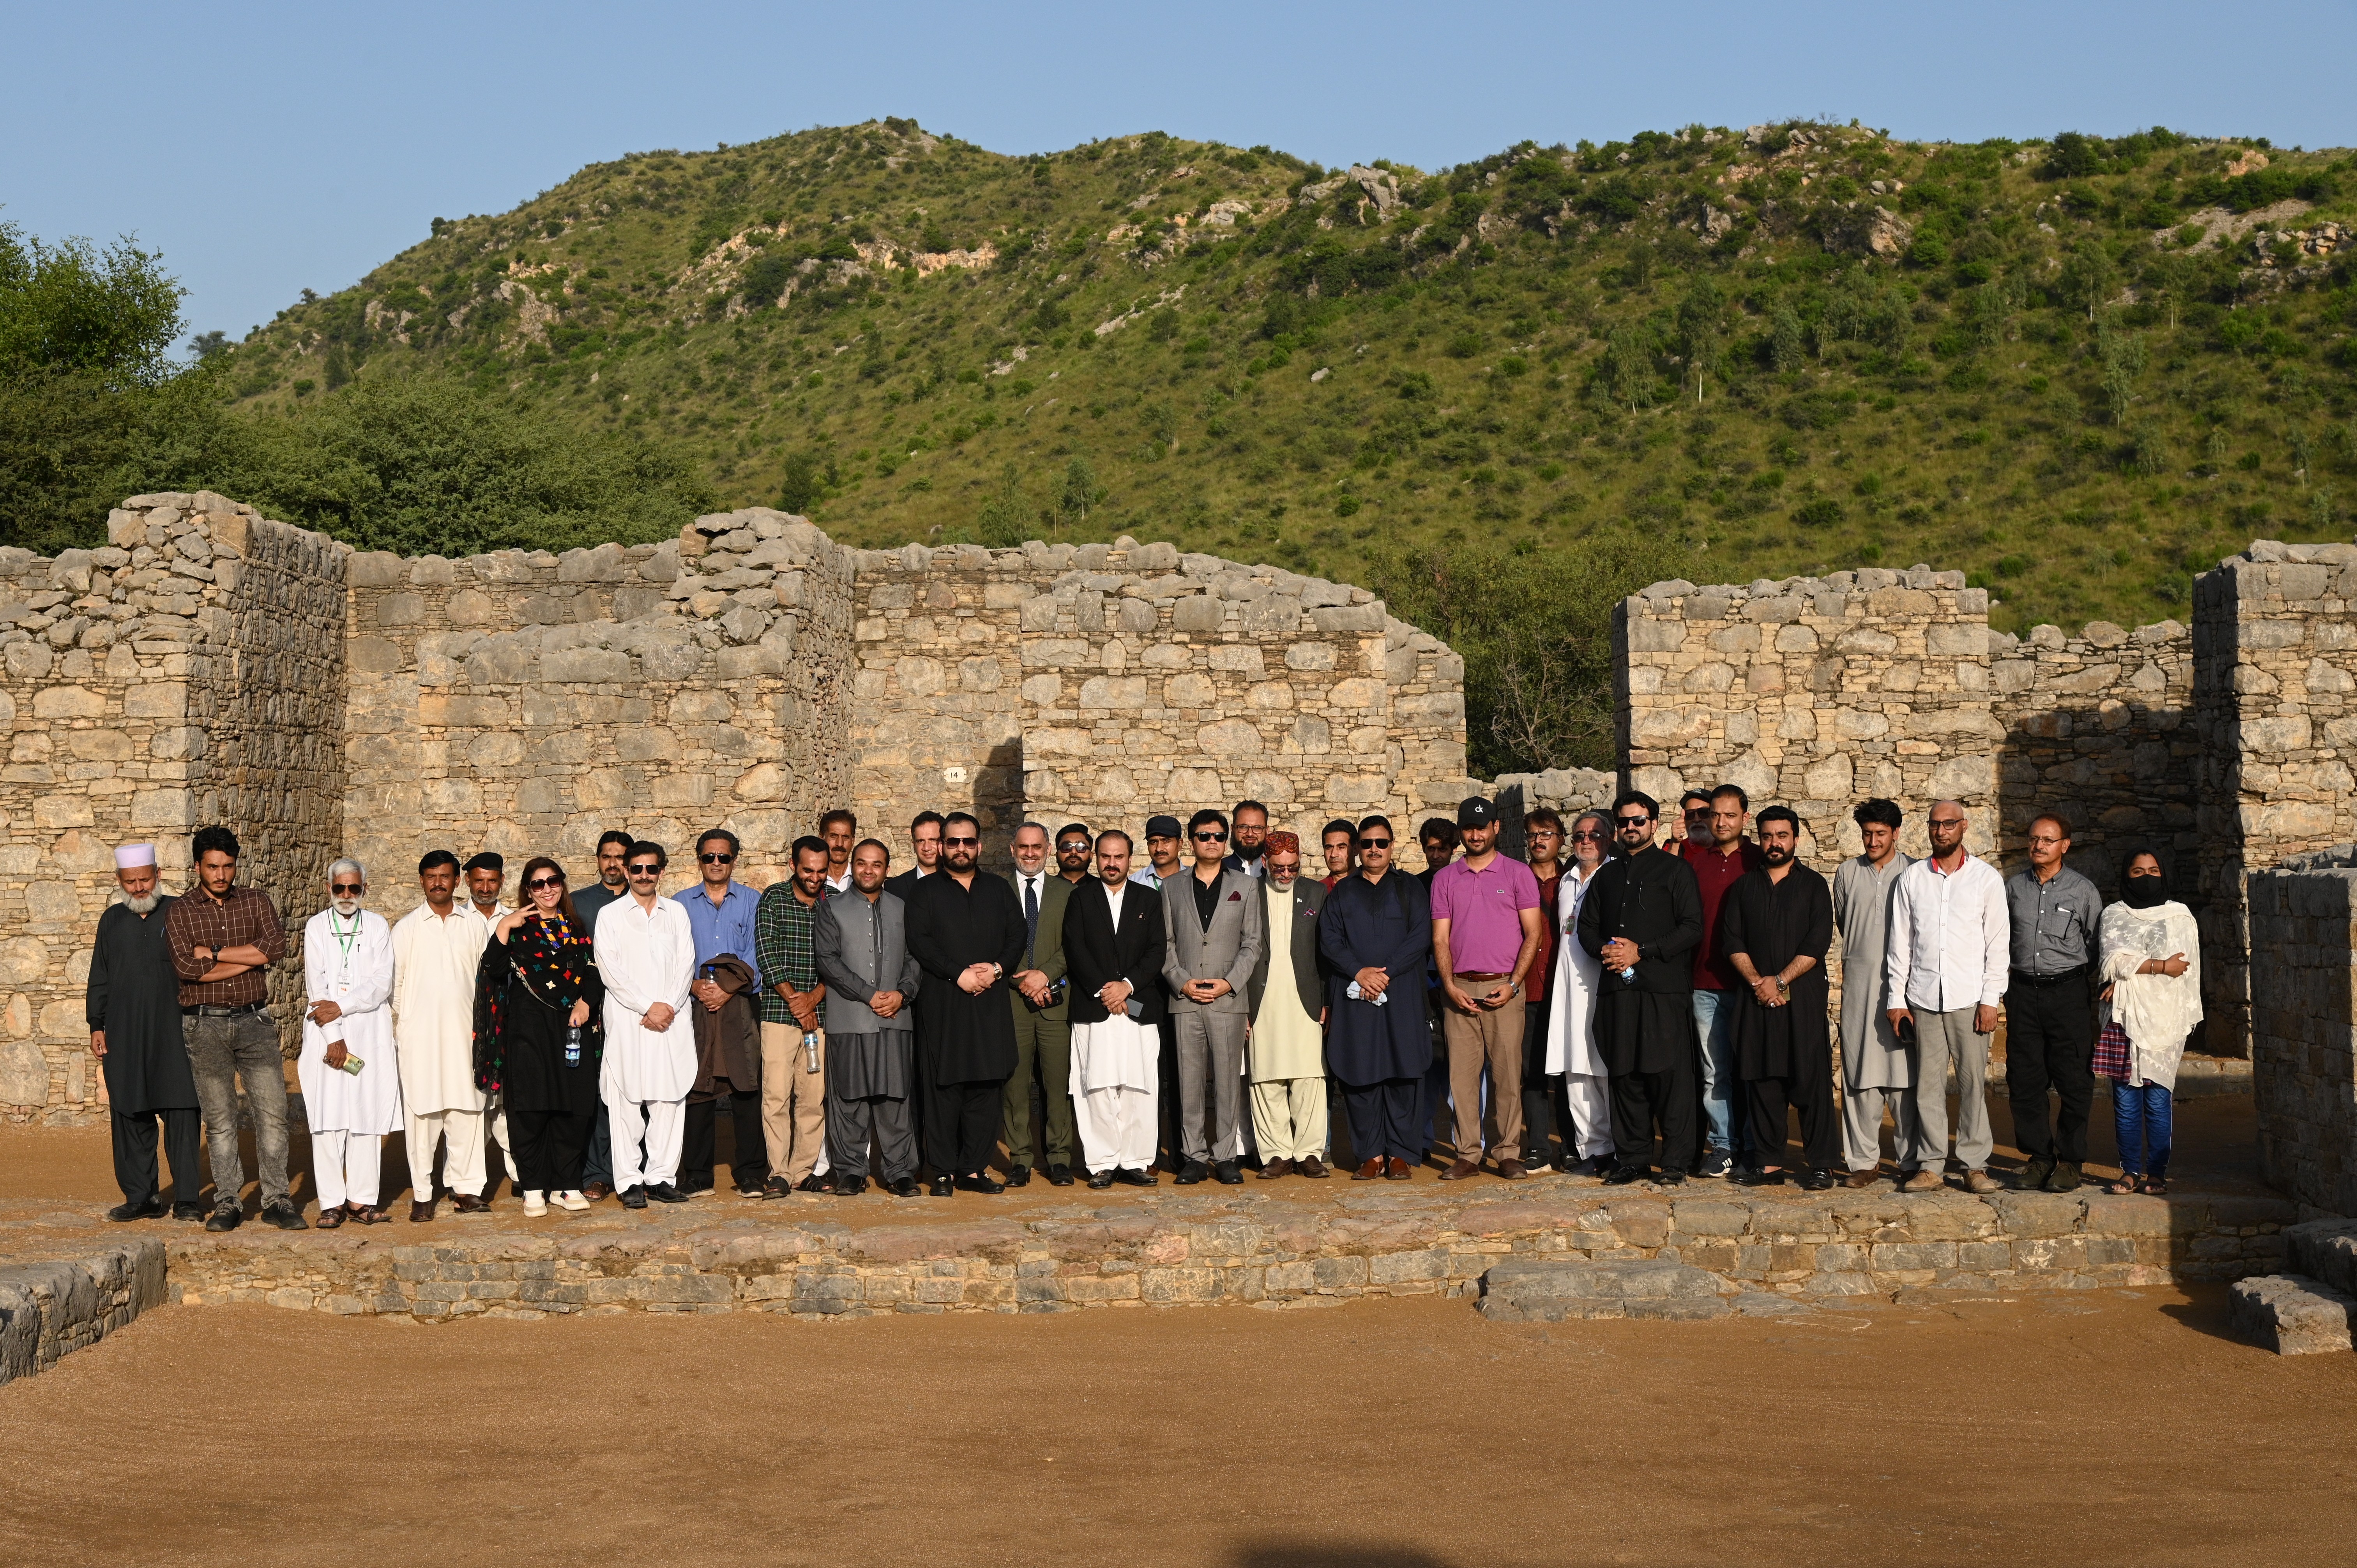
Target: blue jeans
<point>2140,1116</point>
<point>1714,1015</point>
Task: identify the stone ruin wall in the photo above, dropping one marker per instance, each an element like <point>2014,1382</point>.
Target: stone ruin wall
<point>2303,932</point>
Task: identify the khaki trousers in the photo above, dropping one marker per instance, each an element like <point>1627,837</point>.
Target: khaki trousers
<point>1491,1037</point>
<point>1289,1117</point>
<point>793,1102</point>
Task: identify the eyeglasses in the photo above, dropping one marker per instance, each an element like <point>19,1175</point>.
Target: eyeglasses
<point>644,868</point>
<point>1374,844</point>
<point>1946,822</point>
<point>538,882</point>
<point>343,887</point>
<point>1588,835</point>
<point>1211,838</point>
<point>718,859</point>
<point>1632,821</point>
<point>954,843</point>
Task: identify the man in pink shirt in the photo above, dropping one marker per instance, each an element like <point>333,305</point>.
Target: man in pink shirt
<point>1720,860</point>
<point>1485,937</point>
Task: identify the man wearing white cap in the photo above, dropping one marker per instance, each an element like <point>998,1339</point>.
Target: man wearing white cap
<point>133,1007</point>
<point>352,1083</point>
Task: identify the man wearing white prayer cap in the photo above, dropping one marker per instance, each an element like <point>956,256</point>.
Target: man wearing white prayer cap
<point>133,1007</point>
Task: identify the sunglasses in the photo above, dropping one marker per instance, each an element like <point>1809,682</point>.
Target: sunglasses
<point>343,887</point>
<point>1211,838</point>
<point>644,868</point>
<point>1374,844</point>
<point>1632,821</point>
<point>537,883</point>
<point>718,859</point>
<point>1589,835</point>
<point>964,841</point>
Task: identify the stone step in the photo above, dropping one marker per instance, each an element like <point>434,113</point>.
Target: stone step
<point>50,1308</point>
<point>1550,1289</point>
<point>2290,1314</point>
<point>2324,1250</point>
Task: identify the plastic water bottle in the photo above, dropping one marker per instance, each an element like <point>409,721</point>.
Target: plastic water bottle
<point>810,1050</point>
<point>572,1045</point>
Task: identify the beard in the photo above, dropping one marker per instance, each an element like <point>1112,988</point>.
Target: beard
<point>145,905</point>
<point>1775,854</point>
<point>1248,852</point>
<point>345,907</point>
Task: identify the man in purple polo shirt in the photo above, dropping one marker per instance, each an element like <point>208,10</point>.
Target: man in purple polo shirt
<point>1485,937</point>
<point>1721,858</point>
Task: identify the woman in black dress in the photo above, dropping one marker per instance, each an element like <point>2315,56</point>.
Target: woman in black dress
<point>538,1037</point>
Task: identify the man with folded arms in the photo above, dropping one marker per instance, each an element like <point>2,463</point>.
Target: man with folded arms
<point>1113,948</point>
<point>436,949</point>
<point>132,1004</point>
<point>1485,937</point>
<point>1287,1048</point>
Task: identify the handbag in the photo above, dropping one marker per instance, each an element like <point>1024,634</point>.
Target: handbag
<point>2111,1052</point>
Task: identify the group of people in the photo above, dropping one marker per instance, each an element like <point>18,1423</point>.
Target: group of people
<point>1087,1017</point>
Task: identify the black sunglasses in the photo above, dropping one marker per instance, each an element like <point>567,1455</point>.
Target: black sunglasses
<point>1631,822</point>
<point>348,886</point>
<point>537,883</point>
<point>1211,838</point>
<point>718,859</point>
<point>961,841</point>
<point>1374,844</point>
<point>644,868</point>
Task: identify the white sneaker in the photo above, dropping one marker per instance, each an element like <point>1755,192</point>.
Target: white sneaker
<point>534,1205</point>
<point>572,1200</point>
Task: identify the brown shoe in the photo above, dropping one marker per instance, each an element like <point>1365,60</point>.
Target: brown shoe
<point>1312,1167</point>
<point>1981,1181</point>
<point>1513,1169</point>
<point>1397,1169</point>
<point>1866,1177</point>
<point>597,1190</point>
<point>1372,1171</point>
<point>421,1210</point>
<point>1274,1168</point>
<point>468,1203</point>
<point>1924,1180</point>
<point>1460,1169</point>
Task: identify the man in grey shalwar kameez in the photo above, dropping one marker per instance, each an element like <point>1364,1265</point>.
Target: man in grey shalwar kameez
<point>859,940</point>
<point>1875,1069</point>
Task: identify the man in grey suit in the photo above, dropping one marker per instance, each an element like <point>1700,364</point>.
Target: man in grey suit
<point>1215,928</point>
<point>860,943</point>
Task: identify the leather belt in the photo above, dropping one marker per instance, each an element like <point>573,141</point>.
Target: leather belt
<point>1475,975</point>
<point>205,1011</point>
<point>2023,977</point>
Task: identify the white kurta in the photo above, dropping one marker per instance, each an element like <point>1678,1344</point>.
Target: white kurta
<point>1872,1056</point>
<point>1571,1001</point>
<point>434,964</point>
<point>2157,1011</point>
<point>646,957</point>
<point>354,971</point>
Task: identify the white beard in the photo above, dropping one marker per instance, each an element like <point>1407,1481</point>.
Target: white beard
<point>142,906</point>
<point>346,908</point>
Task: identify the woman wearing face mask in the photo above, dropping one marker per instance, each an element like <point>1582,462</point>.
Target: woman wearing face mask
<point>538,1039</point>
<point>2151,961</point>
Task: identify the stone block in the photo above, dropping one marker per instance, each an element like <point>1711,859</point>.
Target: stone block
<point>1554,1290</point>
<point>2290,1314</point>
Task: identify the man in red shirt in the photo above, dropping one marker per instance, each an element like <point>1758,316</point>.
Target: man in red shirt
<point>1719,862</point>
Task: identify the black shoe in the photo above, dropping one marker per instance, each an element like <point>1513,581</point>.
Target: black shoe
<point>981,1183</point>
<point>188,1212</point>
<point>634,1197</point>
<point>283,1213</point>
<point>1814,1180</point>
<point>225,1217</point>
<point>1759,1178</point>
<point>1622,1175</point>
<point>1059,1176</point>
<point>811,1183</point>
<point>1672,1178</point>
<point>2033,1176</point>
<point>945,1187</point>
<point>906,1187</point>
<point>1018,1176</point>
<point>1193,1172</point>
<point>777,1187</point>
<point>664,1192</point>
<point>122,1213</point>
<point>1100,1180</point>
<point>1128,1178</point>
<point>850,1186</point>
<point>1227,1174</point>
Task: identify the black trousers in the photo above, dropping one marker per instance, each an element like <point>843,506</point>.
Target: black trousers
<point>1543,1106</point>
<point>2049,1042</point>
<point>960,1126</point>
<point>1812,1096</point>
<point>1383,1118</point>
<point>1643,1100</point>
<point>549,1146</point>
<point>135,1151</point>
<point>1173,1139</point>
<point>699,1142</point>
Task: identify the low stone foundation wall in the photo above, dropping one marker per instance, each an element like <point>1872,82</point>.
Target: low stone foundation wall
<point>1184,1249</point>
<point>52,1307</point>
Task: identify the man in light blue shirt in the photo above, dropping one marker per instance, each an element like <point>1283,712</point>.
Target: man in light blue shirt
<point>720,914</point>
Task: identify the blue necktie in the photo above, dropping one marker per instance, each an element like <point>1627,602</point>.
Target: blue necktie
<point>1032,912</point>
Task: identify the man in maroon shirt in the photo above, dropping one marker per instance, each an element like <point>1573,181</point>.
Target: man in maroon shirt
<point>1719,862</point>
<point>1543,838</point>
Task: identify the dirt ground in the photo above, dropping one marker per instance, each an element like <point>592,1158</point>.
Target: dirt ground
<point>2216,1151</point>
<point>2113,1428</point>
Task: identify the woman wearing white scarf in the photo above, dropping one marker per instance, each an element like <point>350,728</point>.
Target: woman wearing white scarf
<point>2151,961</point>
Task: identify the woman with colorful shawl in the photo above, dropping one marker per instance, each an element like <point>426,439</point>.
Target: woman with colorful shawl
<point>539,1038</point>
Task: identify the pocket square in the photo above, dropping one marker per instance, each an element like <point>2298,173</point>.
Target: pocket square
<point>1235,898</point>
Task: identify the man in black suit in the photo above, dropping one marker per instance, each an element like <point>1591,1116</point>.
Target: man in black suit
<point>1113,952</point>
<point>1643,920</point>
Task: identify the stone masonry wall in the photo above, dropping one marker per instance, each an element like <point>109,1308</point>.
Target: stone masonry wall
<point>2303,927</point>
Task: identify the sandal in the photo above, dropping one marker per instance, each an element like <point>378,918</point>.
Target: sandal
<point>2129,1182</point>
<point>328,1219</point>
<point>366,1215</point>
<point>2156,1185</point>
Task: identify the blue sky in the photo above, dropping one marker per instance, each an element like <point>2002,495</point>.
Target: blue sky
<point>267,149</point>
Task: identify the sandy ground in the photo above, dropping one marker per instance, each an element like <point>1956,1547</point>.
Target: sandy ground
<point>2216,1151</point>
<point>2111,1428</point>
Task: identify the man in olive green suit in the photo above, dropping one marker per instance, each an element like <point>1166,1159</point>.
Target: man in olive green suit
<point>1043,1040</point>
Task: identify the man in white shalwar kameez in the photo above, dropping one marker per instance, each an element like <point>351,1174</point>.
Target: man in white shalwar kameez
<point>347,983</point>
<point>1113,956</point>
<point>1571,1014</point>
<point>646,954</point>
<point>437,949</point>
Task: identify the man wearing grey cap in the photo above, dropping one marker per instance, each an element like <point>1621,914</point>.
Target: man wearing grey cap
<point>1485,937</point>
<point>133,1007</point>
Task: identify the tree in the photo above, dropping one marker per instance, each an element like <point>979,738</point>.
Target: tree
<point>1079,492</point>
<point>73,308</point>
<point>1787,345</point>
<point>1007,518</point>
<point>1700,330</point>
<point>800,488</point>
<point>2088,277</point>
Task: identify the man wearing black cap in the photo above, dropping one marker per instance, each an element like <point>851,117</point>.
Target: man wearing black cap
<point>1162,850</point>
<point>1485,937</point>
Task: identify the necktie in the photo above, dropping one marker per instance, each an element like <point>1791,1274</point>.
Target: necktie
<point>1031,911</point>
